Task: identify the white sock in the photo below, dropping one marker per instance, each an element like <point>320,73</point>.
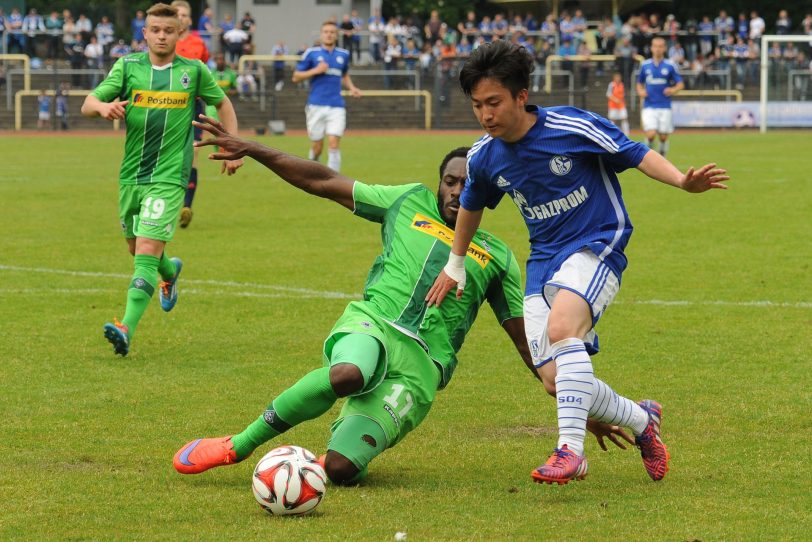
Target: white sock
<point>611,408</point>
<point>574,382</point>
<point>334,159</point>
<point>663,147</point>
<point>311,155</point>
<point>624,125</point>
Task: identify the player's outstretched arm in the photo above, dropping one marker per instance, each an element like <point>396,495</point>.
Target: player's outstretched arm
<point>307,175</point>
<point>225,110</point>
<point>453,274</point>
<point>92,107</point>
<point>694,180</point>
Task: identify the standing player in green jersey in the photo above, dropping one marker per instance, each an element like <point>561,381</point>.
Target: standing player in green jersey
<point>389,353</point>
<point>157,90</point>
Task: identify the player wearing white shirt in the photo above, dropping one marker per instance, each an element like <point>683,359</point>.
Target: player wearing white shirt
<point>659,79</point>
<point>559,166</point>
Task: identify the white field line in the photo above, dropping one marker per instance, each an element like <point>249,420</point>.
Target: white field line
<point>244,289</point>
<point>297,292</point>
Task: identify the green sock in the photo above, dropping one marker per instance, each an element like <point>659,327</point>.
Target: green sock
<point>141,289</point>
<point>308,398</point>
<point>166,267</point>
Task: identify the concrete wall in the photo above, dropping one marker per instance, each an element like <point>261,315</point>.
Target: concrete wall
<point>296,22</point>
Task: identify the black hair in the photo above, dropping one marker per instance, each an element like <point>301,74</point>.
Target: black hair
<point>508,63</point>
<point>459,152</point>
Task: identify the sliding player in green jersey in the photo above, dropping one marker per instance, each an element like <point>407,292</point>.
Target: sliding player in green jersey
<point>389,353</point>
<point>157,90</point>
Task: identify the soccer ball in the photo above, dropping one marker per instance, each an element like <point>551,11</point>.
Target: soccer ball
<point>289,481</point>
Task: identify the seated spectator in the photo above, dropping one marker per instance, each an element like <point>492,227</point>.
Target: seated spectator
<point>676,54</point>
<point>500,26</point>
<point>246,86</point>
<point>411,54</point>
<point>486,29</point>
<point>517,25</point>
<point>119,50</point>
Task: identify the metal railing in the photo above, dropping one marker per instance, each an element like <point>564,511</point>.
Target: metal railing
<point>425,94</point>
<point>99,72</point>
<point>18,103</point>
<point>737,94</point>
<point>26,71</point>
<point>791,76</point>
<point>548,80</point>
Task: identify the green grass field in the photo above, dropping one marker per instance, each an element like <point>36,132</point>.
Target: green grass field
<point>714,320</point>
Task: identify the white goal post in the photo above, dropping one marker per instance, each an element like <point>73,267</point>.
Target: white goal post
<point>766,41</point>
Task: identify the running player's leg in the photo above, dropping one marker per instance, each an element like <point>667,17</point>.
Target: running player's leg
<point>649,125</point>
<point>148,214</point>
<point>578,294</point>
<point>665,127</point>
<point>316,120</point>
<point>336,123</point>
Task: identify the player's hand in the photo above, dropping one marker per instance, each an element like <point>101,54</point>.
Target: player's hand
<point>642,93</point>
<point>668,91</point>
<point>355,92</point>
<point>230,167</point>
<point>321,68</point>
<point>232,148</point>
<point>612,432</point>
<point>442,285</point>
<point>113,110</point>
<point>704,178</point>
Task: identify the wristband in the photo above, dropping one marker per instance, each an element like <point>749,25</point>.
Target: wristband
<point>455,269</point>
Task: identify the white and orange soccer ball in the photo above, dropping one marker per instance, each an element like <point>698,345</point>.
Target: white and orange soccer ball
<point>289,481</point>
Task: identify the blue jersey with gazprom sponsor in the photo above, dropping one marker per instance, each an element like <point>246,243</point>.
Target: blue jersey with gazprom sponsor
<point>657,78</point>
<point>325,88</point>
<point>562,177</point>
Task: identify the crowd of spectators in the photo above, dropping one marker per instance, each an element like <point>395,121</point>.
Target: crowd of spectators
<point>704,48</point>
<point>74,38</point>
<point>712,44</point>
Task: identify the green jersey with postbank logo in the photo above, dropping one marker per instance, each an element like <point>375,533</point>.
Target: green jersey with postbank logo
<point>416,245</point>
<point>158,146</point>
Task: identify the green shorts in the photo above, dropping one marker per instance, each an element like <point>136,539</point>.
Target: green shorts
<point>402,388</point>
<point>150,210</point>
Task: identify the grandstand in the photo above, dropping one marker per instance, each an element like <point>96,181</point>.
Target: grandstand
<point>610,29</point>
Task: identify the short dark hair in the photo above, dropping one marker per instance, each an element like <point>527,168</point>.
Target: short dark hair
<point>459,152</point>
<point>508,63</point>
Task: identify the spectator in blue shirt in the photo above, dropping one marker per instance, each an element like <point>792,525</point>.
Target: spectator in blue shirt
<point>137,26</point>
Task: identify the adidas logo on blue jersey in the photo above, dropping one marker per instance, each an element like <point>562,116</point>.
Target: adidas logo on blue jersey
<point>501,182</point>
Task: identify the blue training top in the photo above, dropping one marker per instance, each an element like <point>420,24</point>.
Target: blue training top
<point>325,88</point>
<point>658,77</point>
<point>562,177</point>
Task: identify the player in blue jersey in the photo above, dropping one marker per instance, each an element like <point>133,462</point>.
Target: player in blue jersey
<point>326,66</point>
<point>659,79</point>
<point>559,165</point>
